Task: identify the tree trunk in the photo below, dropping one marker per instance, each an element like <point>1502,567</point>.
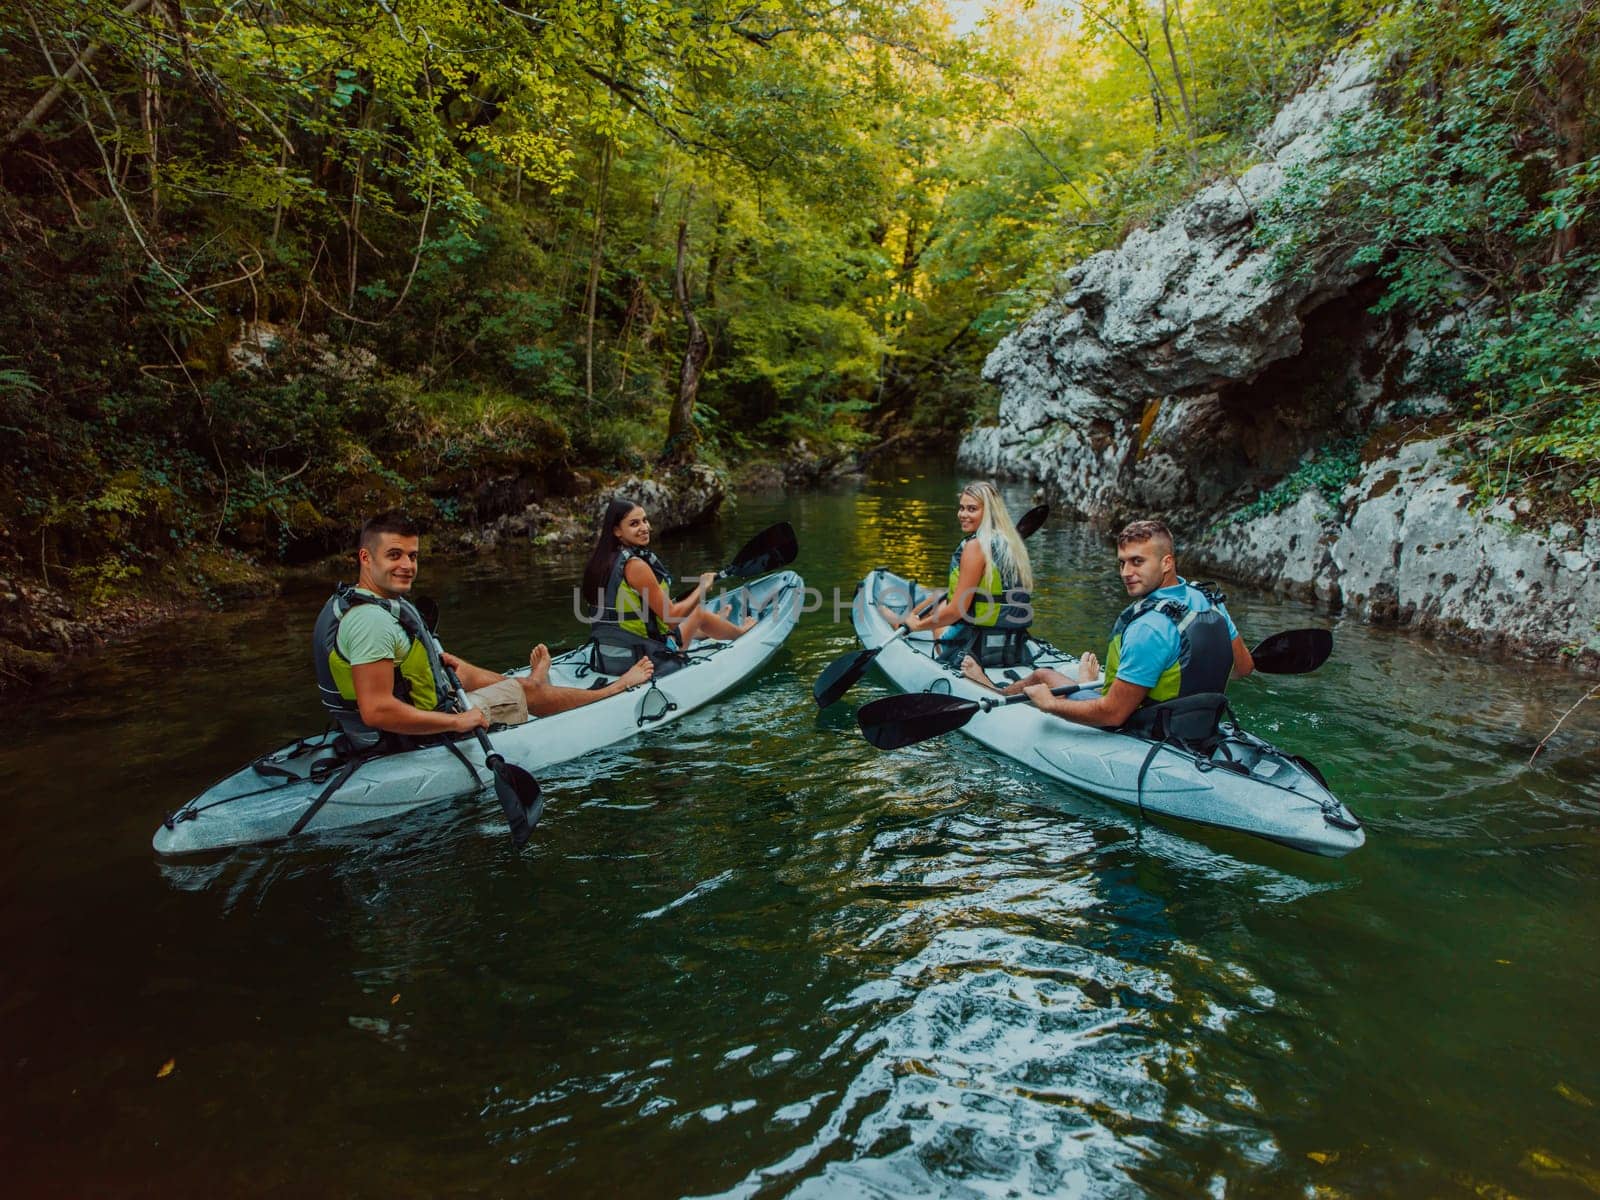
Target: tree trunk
<point>1177,75</point>
<point>596,253</point>
<point>714,261</point>
<point>1141,49</point>
<point>1566,108</point>
<point>150,117</point>
<point>681,433</point>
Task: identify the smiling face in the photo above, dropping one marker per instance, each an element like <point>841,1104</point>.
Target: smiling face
<point>634,529</point>
<point>969,512</point>
<point>389,564</point>
<point>1146,566</point>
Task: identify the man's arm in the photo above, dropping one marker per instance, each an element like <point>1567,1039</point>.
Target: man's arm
<point>382,709</point>
<point>1243,664</point>
<point>1107,712</point>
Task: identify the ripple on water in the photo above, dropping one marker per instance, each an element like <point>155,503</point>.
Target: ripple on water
<point>1014,1041</point>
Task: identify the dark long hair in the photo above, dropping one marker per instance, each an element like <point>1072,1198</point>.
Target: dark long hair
<point>604,556</point>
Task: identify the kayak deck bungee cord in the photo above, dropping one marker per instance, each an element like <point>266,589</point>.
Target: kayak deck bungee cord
<point>266,800</point>
<point>1233,780</point>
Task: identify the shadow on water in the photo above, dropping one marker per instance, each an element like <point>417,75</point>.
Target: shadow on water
<point>753,948</point>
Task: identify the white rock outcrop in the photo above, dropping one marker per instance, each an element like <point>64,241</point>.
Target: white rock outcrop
<point>1406,546</point>
<point>1177,310</point>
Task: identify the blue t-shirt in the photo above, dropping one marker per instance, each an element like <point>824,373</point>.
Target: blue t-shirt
<point>1150,645</point>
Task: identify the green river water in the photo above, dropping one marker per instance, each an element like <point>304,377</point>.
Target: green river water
<point>748,955</point>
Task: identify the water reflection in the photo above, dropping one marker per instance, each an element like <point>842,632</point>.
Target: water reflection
<point>755,949</point>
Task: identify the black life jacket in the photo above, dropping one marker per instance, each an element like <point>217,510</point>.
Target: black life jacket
<point>994,630</point>
<point>419,677</point>
<point>1205,649</point>
<point>624,608</point>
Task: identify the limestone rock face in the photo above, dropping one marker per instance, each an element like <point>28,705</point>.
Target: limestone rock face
<point>1187,308</point>
<point>675,499</point>
<point>1179,375</point>
<point>1406,547</point>
<point>263,346</point>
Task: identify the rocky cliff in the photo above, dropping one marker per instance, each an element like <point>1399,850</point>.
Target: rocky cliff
<point>1181,374</point>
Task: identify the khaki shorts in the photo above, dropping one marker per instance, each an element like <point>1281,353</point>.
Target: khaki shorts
<point>503,701</point>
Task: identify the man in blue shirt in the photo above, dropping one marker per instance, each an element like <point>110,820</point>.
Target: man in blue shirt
<point>1174,640</point>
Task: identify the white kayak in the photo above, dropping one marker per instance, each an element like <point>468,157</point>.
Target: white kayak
<point>263,801</point>
<point>1244,783</point>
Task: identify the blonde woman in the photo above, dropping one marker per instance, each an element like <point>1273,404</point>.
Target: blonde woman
<point>990,580</point>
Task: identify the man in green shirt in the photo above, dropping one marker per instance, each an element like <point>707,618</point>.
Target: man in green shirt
<point>380,671</point>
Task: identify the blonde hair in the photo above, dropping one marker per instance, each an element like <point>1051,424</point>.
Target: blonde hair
<point>998,538</point>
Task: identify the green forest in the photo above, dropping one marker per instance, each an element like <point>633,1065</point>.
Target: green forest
<point>267,265</point>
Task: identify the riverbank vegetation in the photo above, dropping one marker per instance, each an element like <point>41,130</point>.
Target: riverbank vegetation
<point>1473,191</point>
<point>265,267</point>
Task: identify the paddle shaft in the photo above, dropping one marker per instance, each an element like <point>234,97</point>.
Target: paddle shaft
<point>1265,648</point>
<point>1065,689</point>
<point>517,789</point>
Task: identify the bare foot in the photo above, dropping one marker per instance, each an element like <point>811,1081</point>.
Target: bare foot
<point>748,623</point>
<point>539,664</point>
<point>639,673</point>
<point>971,670</point>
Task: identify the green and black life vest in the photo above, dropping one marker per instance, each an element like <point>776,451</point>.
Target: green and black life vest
<point>419,677</point>
<point>623,606</point>
<point>1205,651</point>
<point>997,601</point>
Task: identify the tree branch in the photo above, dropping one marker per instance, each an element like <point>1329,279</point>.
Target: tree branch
<point>46,102</point>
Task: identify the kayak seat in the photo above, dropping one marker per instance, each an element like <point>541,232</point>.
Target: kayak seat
<point>612,651</point>
<point>993,647</point>
<point>308,758</point>
<point>1194,722</point>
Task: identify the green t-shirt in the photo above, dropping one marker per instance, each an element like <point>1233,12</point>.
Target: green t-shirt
<point>369,634</point>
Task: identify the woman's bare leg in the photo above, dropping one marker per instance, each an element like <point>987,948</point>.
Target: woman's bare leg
<point>702,622</point>
<point>1044,675</point>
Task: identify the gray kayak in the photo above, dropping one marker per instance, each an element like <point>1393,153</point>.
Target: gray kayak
<point>262,801</point>
<point>1242,783</point>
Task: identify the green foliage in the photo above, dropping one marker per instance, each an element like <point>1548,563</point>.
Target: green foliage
<point>1474,193</point>
<point>16,383</point>
<point>1332,469</point>
<point>459,223</point>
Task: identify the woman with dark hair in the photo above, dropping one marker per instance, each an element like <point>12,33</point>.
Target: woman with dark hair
<point>626,583</point>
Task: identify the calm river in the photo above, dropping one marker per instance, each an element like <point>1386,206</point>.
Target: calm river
<point>748,955</point>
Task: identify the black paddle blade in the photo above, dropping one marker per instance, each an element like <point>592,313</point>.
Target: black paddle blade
<point>839,676</point>
<point>774,547</point>
<point>519,797</point>
<point>1294,651</point>
<point>1028,524</point>
<point>428,609</point>
<point>896,721</point>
